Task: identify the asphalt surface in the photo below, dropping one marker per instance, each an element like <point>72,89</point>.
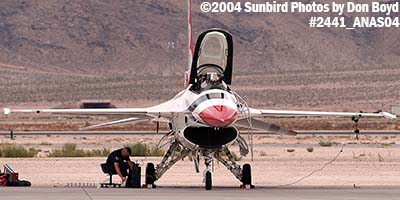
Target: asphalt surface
<point>200,193</point>
<point>319,132</point>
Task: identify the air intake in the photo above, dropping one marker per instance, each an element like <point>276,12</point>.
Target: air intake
<point>208,137</point>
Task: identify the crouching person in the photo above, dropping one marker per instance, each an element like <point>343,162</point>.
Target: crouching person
<point>118,162</point>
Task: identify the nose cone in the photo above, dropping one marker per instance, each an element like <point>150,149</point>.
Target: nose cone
<point>218,116</point>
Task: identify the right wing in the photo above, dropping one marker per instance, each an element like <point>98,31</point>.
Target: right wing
<point>165,109</point>
<point>116,111</point>
<point>137,114</point>
<point>159,112</point>
<point>175,105</point>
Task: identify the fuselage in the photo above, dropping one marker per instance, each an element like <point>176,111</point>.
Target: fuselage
<point>208,120</point>
<point>215,108</point>
<point>208,108</point>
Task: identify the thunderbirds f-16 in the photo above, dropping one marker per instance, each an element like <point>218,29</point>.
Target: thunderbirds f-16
<point>203,118</point>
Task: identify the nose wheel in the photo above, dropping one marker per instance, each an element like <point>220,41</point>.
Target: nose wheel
<point>207,172</point>
<point>208,181</point>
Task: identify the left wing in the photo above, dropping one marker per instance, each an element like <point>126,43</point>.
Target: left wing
<point>272,113</point>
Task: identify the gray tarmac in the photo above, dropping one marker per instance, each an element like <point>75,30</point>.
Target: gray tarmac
<point>199,193</point>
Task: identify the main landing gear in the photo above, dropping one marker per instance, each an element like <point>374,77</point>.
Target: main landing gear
<point>177,152</point>
<point>173,155</point>
<point>150,176</point>
<point>242,174</point>
<point>246,178</point>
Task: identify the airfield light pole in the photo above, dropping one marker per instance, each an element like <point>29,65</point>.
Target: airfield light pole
<point>171,48</point>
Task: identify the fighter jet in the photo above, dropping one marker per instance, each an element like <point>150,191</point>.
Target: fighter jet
<point>205,116</point>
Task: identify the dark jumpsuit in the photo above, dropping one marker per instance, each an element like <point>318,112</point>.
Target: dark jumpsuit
<point>116,157</point>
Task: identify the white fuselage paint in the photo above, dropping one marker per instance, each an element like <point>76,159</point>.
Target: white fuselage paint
<point>190,117</point>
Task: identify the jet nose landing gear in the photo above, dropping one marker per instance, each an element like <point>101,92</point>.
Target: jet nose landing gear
<point>207,172</point>
<point>208,180</point>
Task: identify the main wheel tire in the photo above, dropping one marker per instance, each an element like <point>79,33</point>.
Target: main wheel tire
<point>246,174</point>
<point>134,179</point>
<point>150,173</point>
<point>208,181</point>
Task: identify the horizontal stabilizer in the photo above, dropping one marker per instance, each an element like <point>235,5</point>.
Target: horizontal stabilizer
<point>132,119</point>
<point>257,124</point>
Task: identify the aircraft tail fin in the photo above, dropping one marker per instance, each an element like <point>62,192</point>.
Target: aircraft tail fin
<point>190,43</point>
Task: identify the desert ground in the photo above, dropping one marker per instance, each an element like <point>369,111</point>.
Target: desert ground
<point>54,54</point>
<point>372,160</point>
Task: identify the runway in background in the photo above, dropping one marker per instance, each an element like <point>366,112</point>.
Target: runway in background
<point>319,132</point>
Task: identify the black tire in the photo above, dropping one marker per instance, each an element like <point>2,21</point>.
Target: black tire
<point>134,177</point>
<point>208,181</point>
<point>150,173</point>
<point>246,174</point>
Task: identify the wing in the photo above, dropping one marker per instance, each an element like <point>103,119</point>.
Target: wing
<point>271,113</point>
<point>120,111</point>
<point>161,110</point>
<point>174,105</point>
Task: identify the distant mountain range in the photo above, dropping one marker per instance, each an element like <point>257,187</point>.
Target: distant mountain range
<point>65,50</point>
